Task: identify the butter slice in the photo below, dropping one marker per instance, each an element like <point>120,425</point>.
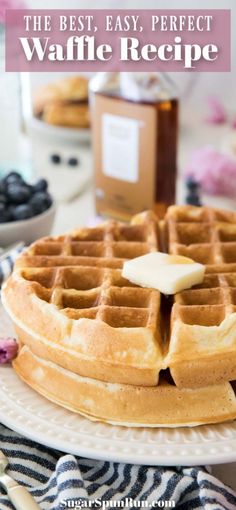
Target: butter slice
<point>167,273</point>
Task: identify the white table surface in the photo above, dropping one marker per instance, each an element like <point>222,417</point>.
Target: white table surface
<point>80,210</point>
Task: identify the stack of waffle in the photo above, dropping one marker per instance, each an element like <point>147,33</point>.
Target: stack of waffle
<point>110,350</point>
<point>63,103</point>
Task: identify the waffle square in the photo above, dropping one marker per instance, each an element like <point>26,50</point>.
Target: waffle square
<point>207,235</point>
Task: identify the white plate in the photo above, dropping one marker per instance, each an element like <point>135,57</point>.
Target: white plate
<point>72,135</point>
<point>26,412</point>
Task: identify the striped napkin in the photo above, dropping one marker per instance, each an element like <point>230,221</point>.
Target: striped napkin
<point>58,481</point>
<point>7,259</point>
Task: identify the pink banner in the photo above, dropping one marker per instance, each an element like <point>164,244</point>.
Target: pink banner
<point>118,40</point>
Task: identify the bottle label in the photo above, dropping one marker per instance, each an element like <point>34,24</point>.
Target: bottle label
<point>120,143</point>
<point>125,152</point>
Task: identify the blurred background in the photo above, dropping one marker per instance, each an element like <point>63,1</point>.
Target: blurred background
<point>42,145</point>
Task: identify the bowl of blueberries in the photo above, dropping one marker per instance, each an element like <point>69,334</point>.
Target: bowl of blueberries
<point>27,211</point>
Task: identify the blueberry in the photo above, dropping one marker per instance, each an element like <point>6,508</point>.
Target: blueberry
<point>30,188</point>
<point>3,198</point>
<point>19,200</point>
<point>73,162</point>
<point>191,184</point>
<point>13,178</point>
<point>5,216</point>
<point>48,200</point>
<point>2,187</point>
<point>10,212</point>
<point>41,185</point>
<point>38,205</point>
<point>193,199</point>
<point>18,194</point>
<point>22,212</point>
<point>40,202</point>
<point>55,158</point>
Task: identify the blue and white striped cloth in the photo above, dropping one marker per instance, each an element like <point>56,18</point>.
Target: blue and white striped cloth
<point>6,263</point>
<point>60,481</point>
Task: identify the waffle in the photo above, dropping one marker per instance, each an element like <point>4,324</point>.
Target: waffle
<point>90,318</point>
<point>86,322</point>
<point>63,103</point>
<point>73,115</point>
<point>122,404</point>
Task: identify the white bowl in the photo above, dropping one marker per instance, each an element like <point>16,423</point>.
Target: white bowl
<point>27,230</point>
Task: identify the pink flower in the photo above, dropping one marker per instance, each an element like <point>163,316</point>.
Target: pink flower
<point>10,4</point>
<point>8,349</point>
<point>214,171</point>
<point>217,114</point>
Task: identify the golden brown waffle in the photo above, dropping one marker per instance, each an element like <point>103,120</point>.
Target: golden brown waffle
<point>84,317</point>
<point>118,335</point>
<point>64,102</point>
<point>73,115</point>
<point>122,404</point>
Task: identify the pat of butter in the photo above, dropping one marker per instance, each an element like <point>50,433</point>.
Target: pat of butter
<point>167,273</point>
